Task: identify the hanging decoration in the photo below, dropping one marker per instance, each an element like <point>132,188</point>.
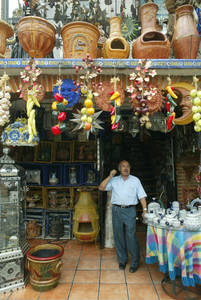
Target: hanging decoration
<point>170,104</point>
<point>87,118</point>
<point>4,100</point>
<point>141,91</point>
<point>58,110</point>
<point>196,102</point>
<point>116,103</point>
<point>103,100</point>
<point>69,91</point>
<point>17,134</point>
<point>31,92</point>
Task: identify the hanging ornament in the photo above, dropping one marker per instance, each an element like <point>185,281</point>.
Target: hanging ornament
<point>116,103</point>
<point>196,104</point>
<point>4,100</point>
<point>170,104</point>
<point>59,106</point>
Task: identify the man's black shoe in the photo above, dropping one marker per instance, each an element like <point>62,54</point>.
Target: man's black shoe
<point>133,269</point>
<point>122,266</point>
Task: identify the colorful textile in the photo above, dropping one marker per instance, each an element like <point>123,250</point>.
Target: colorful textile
<point>177,252</point>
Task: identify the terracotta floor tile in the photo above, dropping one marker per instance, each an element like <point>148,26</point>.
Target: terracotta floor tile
<point>70,262</point>
<point>140,276</point>
<point>27,293</point>
<point>67,275</point>
<point>86,276</point>
<point>111,264</point>
<point>113,292</point>
<point>5,296</point>
<point>161,293</point>
<point>114,276</point>
<point>71,253</point>
<point>74,244</point>
<point>84,291</point>
<point>142,292</point>
<point>89,263</point>
<point>60,292</point>
<point>156,274</point>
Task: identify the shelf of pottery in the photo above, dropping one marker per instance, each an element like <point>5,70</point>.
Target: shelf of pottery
<point>55,172</point>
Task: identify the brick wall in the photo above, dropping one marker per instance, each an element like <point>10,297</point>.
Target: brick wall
<point>186,169</point>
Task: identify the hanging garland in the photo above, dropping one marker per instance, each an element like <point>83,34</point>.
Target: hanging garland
<point>196,102</point>
<point>116,103</point>
<point>170,104</point>
<point>4,100</point>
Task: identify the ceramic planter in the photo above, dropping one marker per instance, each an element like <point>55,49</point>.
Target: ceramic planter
<point>79,39</point>
<point>115,46</point>
<point>36,36</point>
<point>185,40</point>
<point>6,32</point>
<point>44,264</point>
<point>151,44</point>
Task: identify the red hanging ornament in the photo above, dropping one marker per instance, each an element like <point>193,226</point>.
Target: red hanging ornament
<point>61,116</point>
<point>56,130</point>
<point>58,97</point>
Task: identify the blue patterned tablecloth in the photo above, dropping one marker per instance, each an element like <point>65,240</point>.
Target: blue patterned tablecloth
<point>176,251</point>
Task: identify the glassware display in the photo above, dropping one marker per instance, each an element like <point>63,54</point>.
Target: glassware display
<point>73,176</point>
<point>52,196</point>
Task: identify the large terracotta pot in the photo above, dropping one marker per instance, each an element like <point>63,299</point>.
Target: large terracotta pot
<point>151,43</point>
<point>36,36</point>
<point>185,40</point>
<point>6,32</point>
<point>80,39</point>
<point>85,219</point>
<point>115,46</point>
<point>44,264</point>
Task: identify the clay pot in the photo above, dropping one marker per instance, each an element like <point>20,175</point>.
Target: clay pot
<point>151,44</point>
<point>85,218</point>
<point>185,40</point>
<point>115,46</point>
<point>36,36</point>
<point>6,32</point>
<point>80,39</point>
<point>44,264</point>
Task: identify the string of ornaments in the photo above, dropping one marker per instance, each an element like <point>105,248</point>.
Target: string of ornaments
<point>87,118</point>
<point>196,104</point>
<point>170,104</point>
<point>116,103</point>
<point>4,100</point>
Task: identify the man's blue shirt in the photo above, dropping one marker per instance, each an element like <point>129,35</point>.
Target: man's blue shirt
<point>125,192</point>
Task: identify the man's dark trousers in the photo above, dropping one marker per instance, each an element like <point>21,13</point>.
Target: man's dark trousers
<point>124,229</point>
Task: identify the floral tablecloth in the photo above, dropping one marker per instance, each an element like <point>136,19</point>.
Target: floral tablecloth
<point>177,252</point>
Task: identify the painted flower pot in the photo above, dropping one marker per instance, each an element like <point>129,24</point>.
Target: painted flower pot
<point>80,39</point>
<point>36,36</point>
<point>44,264</point>
<point>6,32</point>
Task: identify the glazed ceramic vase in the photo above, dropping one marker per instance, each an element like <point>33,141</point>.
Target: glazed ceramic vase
<point>44,265</point>
<point>185,40</point>
<point>151,44</point>
<point>85,218</point>
<point>79,39</point>
<point>6,32</point>
<point>36,36</point>
<point>115,46</point>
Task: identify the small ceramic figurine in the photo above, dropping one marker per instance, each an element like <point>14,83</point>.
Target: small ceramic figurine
<point>72,176</point>
<point>53,179</point>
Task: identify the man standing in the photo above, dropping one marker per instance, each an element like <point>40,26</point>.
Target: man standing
<point>127,191</point>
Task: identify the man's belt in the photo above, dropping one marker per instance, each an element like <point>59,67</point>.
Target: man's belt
<point>123,206</point>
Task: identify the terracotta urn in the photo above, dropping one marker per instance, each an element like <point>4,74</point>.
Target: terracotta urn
<point>185,40</point>
<point>79,39</point>
<point>115,46</point>
<point>151,44</point>
<point>36,36</point>
<point>6,32</point>
<point>44,265</point>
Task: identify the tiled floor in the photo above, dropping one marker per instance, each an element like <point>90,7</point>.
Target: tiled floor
<point>90,273</point>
